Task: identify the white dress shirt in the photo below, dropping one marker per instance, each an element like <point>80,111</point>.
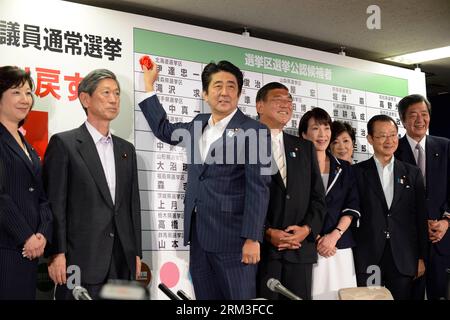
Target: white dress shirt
<point>212,132</point>
<point>386,175</point>
<point>105,151</point>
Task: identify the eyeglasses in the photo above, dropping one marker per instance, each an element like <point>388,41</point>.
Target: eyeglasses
<point>280,101</point>
<point>383,137</point>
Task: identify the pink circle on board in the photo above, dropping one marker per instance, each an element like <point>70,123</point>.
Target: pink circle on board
<point>169,274</point>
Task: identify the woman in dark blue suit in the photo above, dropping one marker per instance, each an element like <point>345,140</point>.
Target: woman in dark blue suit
<point>335,267</point>
<point>25,216</point>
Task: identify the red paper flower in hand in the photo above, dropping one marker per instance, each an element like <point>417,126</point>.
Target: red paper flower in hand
<point>146,61</point>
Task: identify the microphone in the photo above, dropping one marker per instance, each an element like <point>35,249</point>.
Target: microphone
<point>183,295</point>
<point>80,293</point>
<point>168,292</point>
<point>276,286</point>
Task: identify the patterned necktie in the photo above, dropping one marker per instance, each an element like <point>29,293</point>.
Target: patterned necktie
<point>278,155</point>
<point>421,160</point>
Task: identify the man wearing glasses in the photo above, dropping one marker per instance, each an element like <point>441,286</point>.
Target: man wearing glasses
<point>297,200</point>
<point>392,237</point>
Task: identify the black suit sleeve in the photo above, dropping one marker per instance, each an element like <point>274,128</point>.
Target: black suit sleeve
<point>317,206</point>
<point>351,204</point>
<point>45,227</point>
<point>257,190</point>
<point>55,181</point>
<point>156,116</point>
<point>421,215</point>
<point>136,207</point>
<point>447,207</point>
<point>11,220</point>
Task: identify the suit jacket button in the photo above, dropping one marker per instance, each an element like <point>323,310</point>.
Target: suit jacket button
<point>111,235</point>
<point>31,189</point>
<point>288,197</point>
<point>201,178</point>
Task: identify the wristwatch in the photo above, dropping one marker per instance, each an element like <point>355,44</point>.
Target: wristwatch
<point>340,231</point>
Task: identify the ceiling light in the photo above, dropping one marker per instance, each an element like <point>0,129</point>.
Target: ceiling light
<point>421,56</point>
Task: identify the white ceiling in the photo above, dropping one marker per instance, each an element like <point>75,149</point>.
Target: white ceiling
<point>406,25</point>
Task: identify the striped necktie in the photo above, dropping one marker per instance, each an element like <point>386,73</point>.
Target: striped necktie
<point>421,160</point>
<point>279,159</point>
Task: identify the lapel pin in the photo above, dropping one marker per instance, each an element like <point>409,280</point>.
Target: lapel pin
<point>404,181</point>
<point>124,156</point>
<point>231,132</point>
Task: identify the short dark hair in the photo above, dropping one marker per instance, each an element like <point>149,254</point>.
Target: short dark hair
<point>264,91</point>
<point>13,77</point>
<point>212,68</point>
<point>339,127</point>
<point>407,101</point>
<point>381,118</point>
<point>319,114</point>
<point>90,82</point>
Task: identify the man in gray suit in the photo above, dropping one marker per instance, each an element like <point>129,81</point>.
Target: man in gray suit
<point>91,180</point>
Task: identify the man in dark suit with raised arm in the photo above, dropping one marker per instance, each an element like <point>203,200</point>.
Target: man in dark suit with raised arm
<point>432,155</point>
<point>297,200</point>
<point>91,180</point>
<point>227,190</point>
<point>391,237</point>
